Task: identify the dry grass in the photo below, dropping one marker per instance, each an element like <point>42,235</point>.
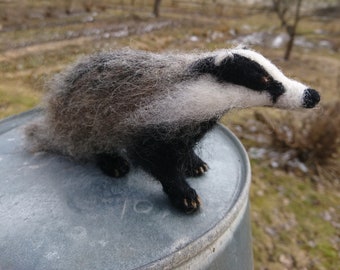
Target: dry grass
<point>312,139</point>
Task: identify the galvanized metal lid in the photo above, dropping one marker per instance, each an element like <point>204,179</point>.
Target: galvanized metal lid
<point>59,214</point>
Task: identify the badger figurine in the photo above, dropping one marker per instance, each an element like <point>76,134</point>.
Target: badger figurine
<point>153,109</point>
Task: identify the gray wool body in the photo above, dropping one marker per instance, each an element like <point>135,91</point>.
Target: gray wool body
<point>92,106</point>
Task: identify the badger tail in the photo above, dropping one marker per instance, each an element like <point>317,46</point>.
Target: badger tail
<point>37,137</point>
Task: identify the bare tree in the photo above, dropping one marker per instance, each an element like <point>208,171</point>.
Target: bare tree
<point>156,7</point>
<point>288,11</point>
<point>68,6</point>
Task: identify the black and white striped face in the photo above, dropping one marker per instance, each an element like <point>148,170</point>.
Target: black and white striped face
<point>264,84</point>
<point>220,81</point>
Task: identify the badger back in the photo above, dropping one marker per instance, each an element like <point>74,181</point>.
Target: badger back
<point>89,103</point>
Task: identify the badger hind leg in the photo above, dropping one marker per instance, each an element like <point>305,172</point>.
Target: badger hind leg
<point>164,161</point>
<point>113,164</point>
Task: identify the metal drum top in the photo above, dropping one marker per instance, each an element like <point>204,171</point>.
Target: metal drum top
<point>59,214</point>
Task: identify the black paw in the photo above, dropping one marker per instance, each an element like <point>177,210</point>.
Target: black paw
<point>196,167</point>
<point>188,202</point>
<point>113,165</point>
<point>200,170</point>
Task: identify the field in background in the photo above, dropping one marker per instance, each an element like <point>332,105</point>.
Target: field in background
<point>295,215</point>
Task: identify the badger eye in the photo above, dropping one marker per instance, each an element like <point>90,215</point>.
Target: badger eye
<point>265,79</point>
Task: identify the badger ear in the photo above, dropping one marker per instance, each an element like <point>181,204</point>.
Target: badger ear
<point>211,64</point>
<point>242,47</point>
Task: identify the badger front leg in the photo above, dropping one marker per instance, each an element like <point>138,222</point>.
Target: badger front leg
<point>164,160</point>
<point>194,165</point>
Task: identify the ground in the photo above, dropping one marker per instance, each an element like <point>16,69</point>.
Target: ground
<point>295,220</point>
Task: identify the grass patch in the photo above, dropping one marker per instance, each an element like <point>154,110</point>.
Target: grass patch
<point>311,139</point>
<point>15,98</point>
<point>292,219</point>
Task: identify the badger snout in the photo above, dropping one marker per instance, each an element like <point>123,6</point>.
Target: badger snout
<point>310,98</point>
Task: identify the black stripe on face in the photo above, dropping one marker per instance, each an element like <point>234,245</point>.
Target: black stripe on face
<point>241,71</point>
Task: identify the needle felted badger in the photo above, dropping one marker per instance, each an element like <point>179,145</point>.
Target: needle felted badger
<point>154,108</point>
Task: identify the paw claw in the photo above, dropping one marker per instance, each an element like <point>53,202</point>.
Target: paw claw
<point>199,200</point>
<point>206,167</point>
<point>185,201</point>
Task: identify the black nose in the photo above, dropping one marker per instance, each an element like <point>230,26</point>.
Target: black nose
<point>310,98</point>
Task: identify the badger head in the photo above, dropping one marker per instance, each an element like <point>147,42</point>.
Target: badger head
<point>252,80</point>
<point>220,81</point>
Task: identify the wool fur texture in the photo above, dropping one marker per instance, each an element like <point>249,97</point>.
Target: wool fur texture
<point>153,109</point>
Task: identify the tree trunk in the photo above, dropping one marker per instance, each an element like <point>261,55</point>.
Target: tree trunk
<point>291,30</point>
<point>289,45</point>
<point>156,7</point>
<point>281,7</point>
